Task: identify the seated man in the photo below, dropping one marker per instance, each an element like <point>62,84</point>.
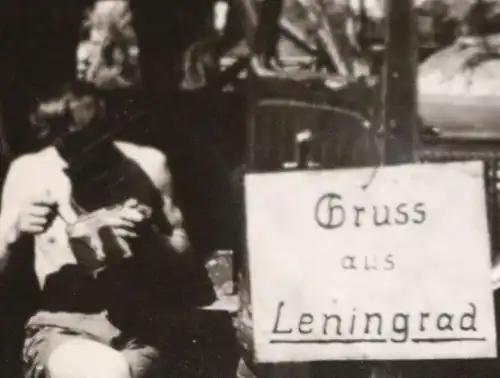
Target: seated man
<point>121,286</point>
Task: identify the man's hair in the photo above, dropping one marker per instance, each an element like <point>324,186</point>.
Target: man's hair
<point>51,116</point>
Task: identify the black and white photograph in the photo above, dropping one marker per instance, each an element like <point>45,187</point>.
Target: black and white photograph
<point>249,188</point>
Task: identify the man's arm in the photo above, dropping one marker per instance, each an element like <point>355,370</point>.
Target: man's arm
<point>10,207</point>
<point>162,178</point>
<point>155,164</point>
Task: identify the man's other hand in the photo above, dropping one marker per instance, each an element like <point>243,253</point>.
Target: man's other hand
<point>36,215</point>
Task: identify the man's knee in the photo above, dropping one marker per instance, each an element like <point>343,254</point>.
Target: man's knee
<point>87,359</point>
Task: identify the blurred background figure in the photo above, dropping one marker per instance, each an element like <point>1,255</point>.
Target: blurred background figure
<point>108,53</point>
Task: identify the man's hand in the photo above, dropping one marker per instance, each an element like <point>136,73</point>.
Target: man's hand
<point>122,220</point>
<point>36,215</point>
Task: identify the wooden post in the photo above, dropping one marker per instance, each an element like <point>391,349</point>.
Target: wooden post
<point>399,114</point>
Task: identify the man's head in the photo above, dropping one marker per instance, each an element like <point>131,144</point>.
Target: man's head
<point>70,110</point>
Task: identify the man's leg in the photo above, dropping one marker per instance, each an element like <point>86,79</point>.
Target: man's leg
<point>81,358</point>
<point>53,352</point>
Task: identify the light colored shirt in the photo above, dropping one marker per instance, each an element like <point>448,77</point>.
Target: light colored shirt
<point>41,174</point>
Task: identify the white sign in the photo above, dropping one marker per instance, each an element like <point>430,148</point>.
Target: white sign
<point>362,264</point>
